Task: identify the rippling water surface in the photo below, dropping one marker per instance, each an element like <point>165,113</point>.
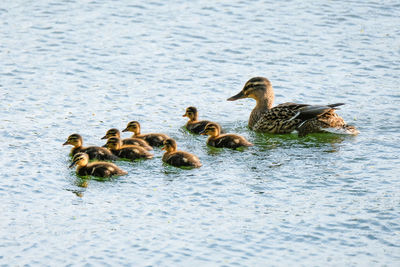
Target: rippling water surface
<point>87,66</point>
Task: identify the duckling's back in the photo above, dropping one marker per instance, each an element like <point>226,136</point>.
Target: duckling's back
<point>133,152</point>
<point>196,127</point>
<point>101,169</point>
<point>199,126</point>
<point>229,141</point>
<point>136,142</point>
<point>154,139</point>
<point>182,159</point>
<point>96,152</point>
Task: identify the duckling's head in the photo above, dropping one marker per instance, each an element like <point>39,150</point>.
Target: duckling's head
<point>113,132</point>
<point>80,159</point>
<point>191,113</point>
<point>74,140</point>
<point>258,88</point>
<point>211,129</point>
<point>133,126</point>
<point>169,145</point>
<point>113,143</point>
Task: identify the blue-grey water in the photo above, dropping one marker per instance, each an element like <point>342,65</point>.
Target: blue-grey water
<point>86,66</point>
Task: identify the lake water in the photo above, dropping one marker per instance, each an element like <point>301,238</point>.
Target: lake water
<point>87,66</point>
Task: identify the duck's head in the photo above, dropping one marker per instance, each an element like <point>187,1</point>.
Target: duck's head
<point>169,145</point>
<point>80,159</point>
<point>211,129</point>
<point>191,113</point>
<point>74,140</point>
<point>113,143</point>
<point>133,126</point>
<point>258,88</point>
<point>113,132</point>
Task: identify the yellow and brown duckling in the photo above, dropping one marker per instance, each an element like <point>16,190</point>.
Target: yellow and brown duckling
<point>127,141</point>
<point>217,139</point>
<point>194,125</point>
<point>178,158</point>
<point>131,152</point>
<point>287,117</point>
<point>99,169</point>
<point>94,152</point>
<point>154,139</point>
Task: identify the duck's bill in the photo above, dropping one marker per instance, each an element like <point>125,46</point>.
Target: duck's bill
<point>66,143</point>
<point>104,137</point>
<point>163,148</point>
<point>240,95</point>
<point>125,130</point>
<point>203,132</point>
<point>184,115</point>
<point>72,164</point>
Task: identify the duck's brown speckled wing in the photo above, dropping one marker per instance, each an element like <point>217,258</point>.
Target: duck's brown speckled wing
<point>279,120</point>
<point>329,122</point>
<point>287,117</point>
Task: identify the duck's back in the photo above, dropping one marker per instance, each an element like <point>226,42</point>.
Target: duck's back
<point>181,159</point>
<point>101,169</point>
<point>287,117</point>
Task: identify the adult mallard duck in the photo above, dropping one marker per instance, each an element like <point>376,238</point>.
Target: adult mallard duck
<point>154,139</point>
<point>178,158</point>
<point>94,152</point>
<point>223,140</point>
<point>131,152</point>
<point>113,132</point>
<point>194,125</point>
<point>100,169</point>
<point>287,117</point>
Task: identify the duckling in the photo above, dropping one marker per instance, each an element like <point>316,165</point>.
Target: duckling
<point>223,140</point>
<point>193,125</point>
<point>287,117</point>
<point>154,139</point>
<point>178,158</point>
<point>127,141</point>
<point>100,169</point>
<point>94,152</point>
<point>131,152</point>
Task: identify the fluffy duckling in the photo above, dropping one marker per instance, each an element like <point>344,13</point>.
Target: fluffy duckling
<point>287,117</point>
<point>131,152</point>
<point>94,152</point>
<point>154,139</point>
<point>100,169</point>
<point>178,158</point>
<point>194,125</point>
<point>127,141</point>
<point>223,140</point>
